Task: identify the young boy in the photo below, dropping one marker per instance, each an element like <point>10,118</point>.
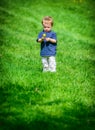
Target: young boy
<point>48,41</point>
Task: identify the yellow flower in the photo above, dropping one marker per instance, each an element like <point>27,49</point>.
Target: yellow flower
<point>44,35</point>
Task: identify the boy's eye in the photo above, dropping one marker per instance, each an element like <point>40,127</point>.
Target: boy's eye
<point>46,27</point>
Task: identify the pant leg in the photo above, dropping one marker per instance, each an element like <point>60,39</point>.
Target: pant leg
<point>45,64</point>
<point>52,64</point>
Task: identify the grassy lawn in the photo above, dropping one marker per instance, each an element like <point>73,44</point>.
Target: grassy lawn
<point>30,99</point>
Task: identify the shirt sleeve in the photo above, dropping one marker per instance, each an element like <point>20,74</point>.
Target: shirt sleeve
<point>54,36</point>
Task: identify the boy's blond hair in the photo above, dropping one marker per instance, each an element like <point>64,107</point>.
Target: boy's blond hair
<point>47,19</point>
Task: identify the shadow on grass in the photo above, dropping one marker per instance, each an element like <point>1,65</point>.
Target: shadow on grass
<point>44,121</point>
<point>79,117</point>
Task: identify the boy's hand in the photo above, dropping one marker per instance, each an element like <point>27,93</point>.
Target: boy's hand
<point>40,40</point>
<point>50,40</point>
<point>47,39</point>
<point>43,36</point>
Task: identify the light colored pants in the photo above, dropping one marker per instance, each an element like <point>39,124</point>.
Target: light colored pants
<point>49,64</point>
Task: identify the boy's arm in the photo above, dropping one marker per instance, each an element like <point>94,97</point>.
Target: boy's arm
<point>50,40</point>
<point>40,40</point>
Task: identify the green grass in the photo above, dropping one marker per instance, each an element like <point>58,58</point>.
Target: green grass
<point>30,99</point>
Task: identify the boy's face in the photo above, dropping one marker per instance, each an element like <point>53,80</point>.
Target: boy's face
<point>47,26</point>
